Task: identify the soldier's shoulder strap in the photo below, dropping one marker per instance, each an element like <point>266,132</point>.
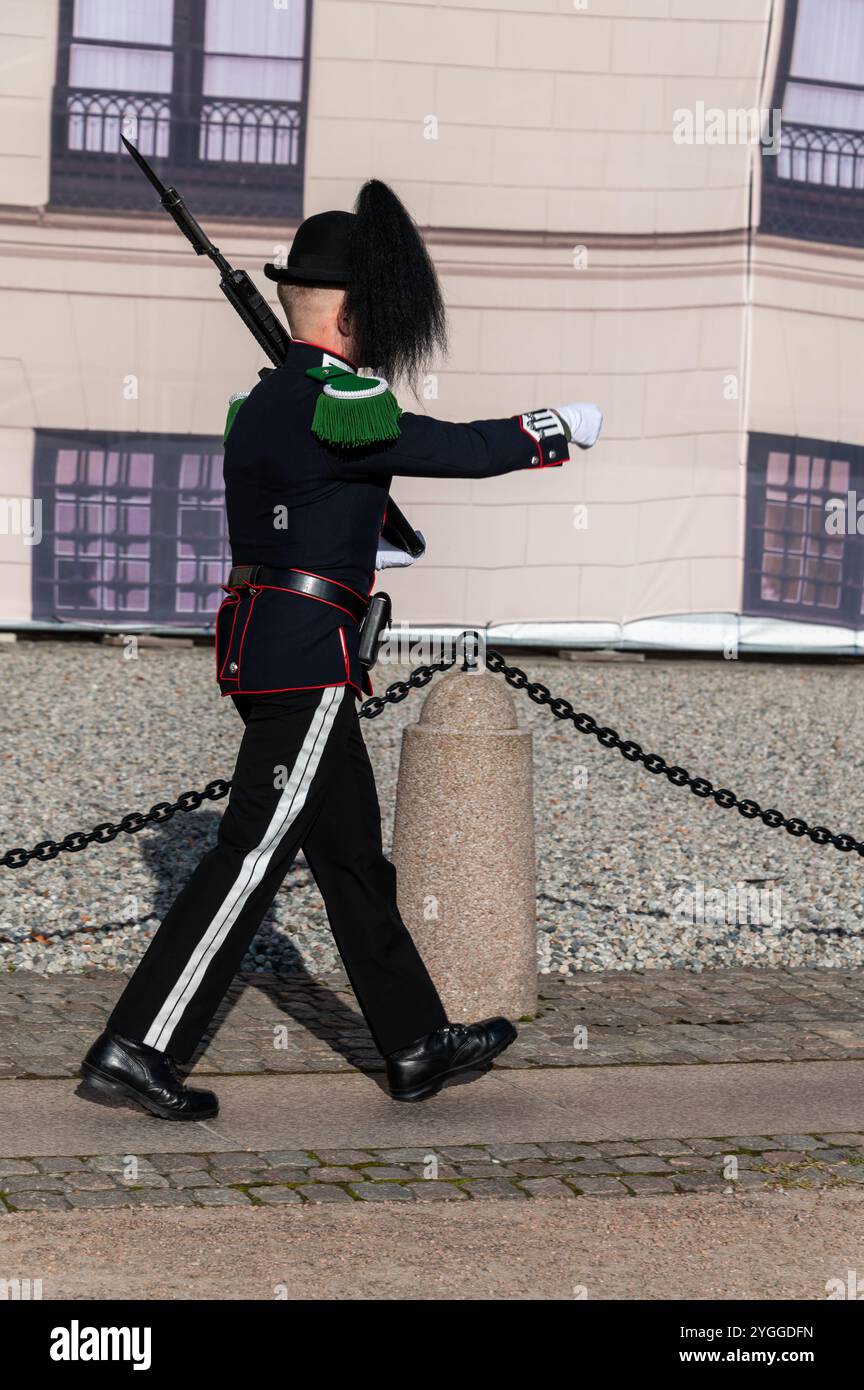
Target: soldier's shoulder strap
<point>234,404</point>
<point>353,411</point>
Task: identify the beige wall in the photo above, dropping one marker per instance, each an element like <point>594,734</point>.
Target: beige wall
<point>808,341</point>
<point>549,117</point>
<point>557,123</point>
<point>28,44</point>
<point>554,131</point>
<point>661,491</point>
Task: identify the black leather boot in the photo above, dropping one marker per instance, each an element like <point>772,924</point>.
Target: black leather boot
<point>119,1071</point>
<point>419,1071</point>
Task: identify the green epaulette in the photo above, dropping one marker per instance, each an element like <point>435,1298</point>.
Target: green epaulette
<point>353,411</point>
<point>234,404</point>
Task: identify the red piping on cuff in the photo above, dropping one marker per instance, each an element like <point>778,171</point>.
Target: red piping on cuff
<point>537,448</point>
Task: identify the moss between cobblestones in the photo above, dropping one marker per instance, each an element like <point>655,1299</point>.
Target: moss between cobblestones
<point>792,1175</point>
<point>788,1184</point>
<point>807,1171</point>
<point>238,1187</point>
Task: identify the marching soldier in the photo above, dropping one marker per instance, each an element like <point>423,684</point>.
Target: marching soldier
<point>309,457</point>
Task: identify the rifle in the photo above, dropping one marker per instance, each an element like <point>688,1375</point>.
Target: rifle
<point>253,309</point>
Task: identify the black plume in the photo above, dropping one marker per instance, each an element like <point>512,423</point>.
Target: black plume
<point>394,300</point>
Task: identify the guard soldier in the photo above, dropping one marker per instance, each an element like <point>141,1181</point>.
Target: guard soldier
<point>310,454</point>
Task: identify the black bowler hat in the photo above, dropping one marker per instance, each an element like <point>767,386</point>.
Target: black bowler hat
<point>377,254</point>
<point>319,252</point>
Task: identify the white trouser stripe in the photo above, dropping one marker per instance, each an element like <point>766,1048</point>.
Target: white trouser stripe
<point>253,869</point>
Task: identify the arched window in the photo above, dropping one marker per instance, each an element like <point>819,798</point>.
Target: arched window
<point>213,90</point>
<point>813,187</point>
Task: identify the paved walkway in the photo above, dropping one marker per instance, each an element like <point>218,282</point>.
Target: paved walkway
<point>565,1113</point>
<point>292,1023</point>
<point>433,1173</point>
<point>648,1136</point>
<point>341,1112</point>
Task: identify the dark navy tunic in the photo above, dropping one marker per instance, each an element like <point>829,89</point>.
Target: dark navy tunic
<point>294,503</point>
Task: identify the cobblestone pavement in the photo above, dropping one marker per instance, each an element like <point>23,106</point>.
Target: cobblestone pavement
<point>293,1023</point>
<point>468,1172</point>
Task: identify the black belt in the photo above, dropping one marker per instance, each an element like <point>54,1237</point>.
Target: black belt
<point>312,585</point>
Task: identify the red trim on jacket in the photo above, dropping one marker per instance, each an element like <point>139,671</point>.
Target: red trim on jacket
<point>255,594</point>
<point>278,689</point>
<point>331,352</point>
<point>538,447</point>
<point>236,601</point>
<point>345,654</point>
<point>277,588</point>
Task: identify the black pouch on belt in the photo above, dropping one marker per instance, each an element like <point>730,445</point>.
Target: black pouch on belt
<point>376,619</point>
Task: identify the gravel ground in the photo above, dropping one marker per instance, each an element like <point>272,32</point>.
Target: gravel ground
<point>705,1246</point>
<point>632,873</point>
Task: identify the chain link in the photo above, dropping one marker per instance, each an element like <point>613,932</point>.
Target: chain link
<point>678,776</point>
<point>163,811</point>
<point>562,709</point>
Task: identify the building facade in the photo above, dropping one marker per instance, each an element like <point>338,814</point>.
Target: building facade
<point>618,211</point>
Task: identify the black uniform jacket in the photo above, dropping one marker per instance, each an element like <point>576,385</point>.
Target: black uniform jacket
<point>294,503</point>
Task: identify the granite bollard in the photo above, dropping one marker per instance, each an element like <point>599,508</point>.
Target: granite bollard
<point>463,846</point>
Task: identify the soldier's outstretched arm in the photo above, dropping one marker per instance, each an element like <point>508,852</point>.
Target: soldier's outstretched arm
<point>430,448</point>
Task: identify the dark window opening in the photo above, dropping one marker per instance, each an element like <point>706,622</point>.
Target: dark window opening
<point>800,559</point>
<point>814,187</point>
<point>134,528</point>
<point>214,92</point>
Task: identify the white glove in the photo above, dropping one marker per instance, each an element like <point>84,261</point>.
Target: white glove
<point>391,557</point>
<point>582,422</point>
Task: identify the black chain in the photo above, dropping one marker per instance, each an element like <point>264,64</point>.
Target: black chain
<point>678,776</point>
<point>104,833</point>
<point>190,801</point>
<point>370,709</point>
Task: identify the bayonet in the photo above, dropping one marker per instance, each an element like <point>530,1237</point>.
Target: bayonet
<point>255,312</point>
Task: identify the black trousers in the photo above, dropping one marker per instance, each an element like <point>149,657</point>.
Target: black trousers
<point>302,779</point>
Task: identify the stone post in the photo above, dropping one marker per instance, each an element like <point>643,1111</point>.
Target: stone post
<point>463,846</point>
